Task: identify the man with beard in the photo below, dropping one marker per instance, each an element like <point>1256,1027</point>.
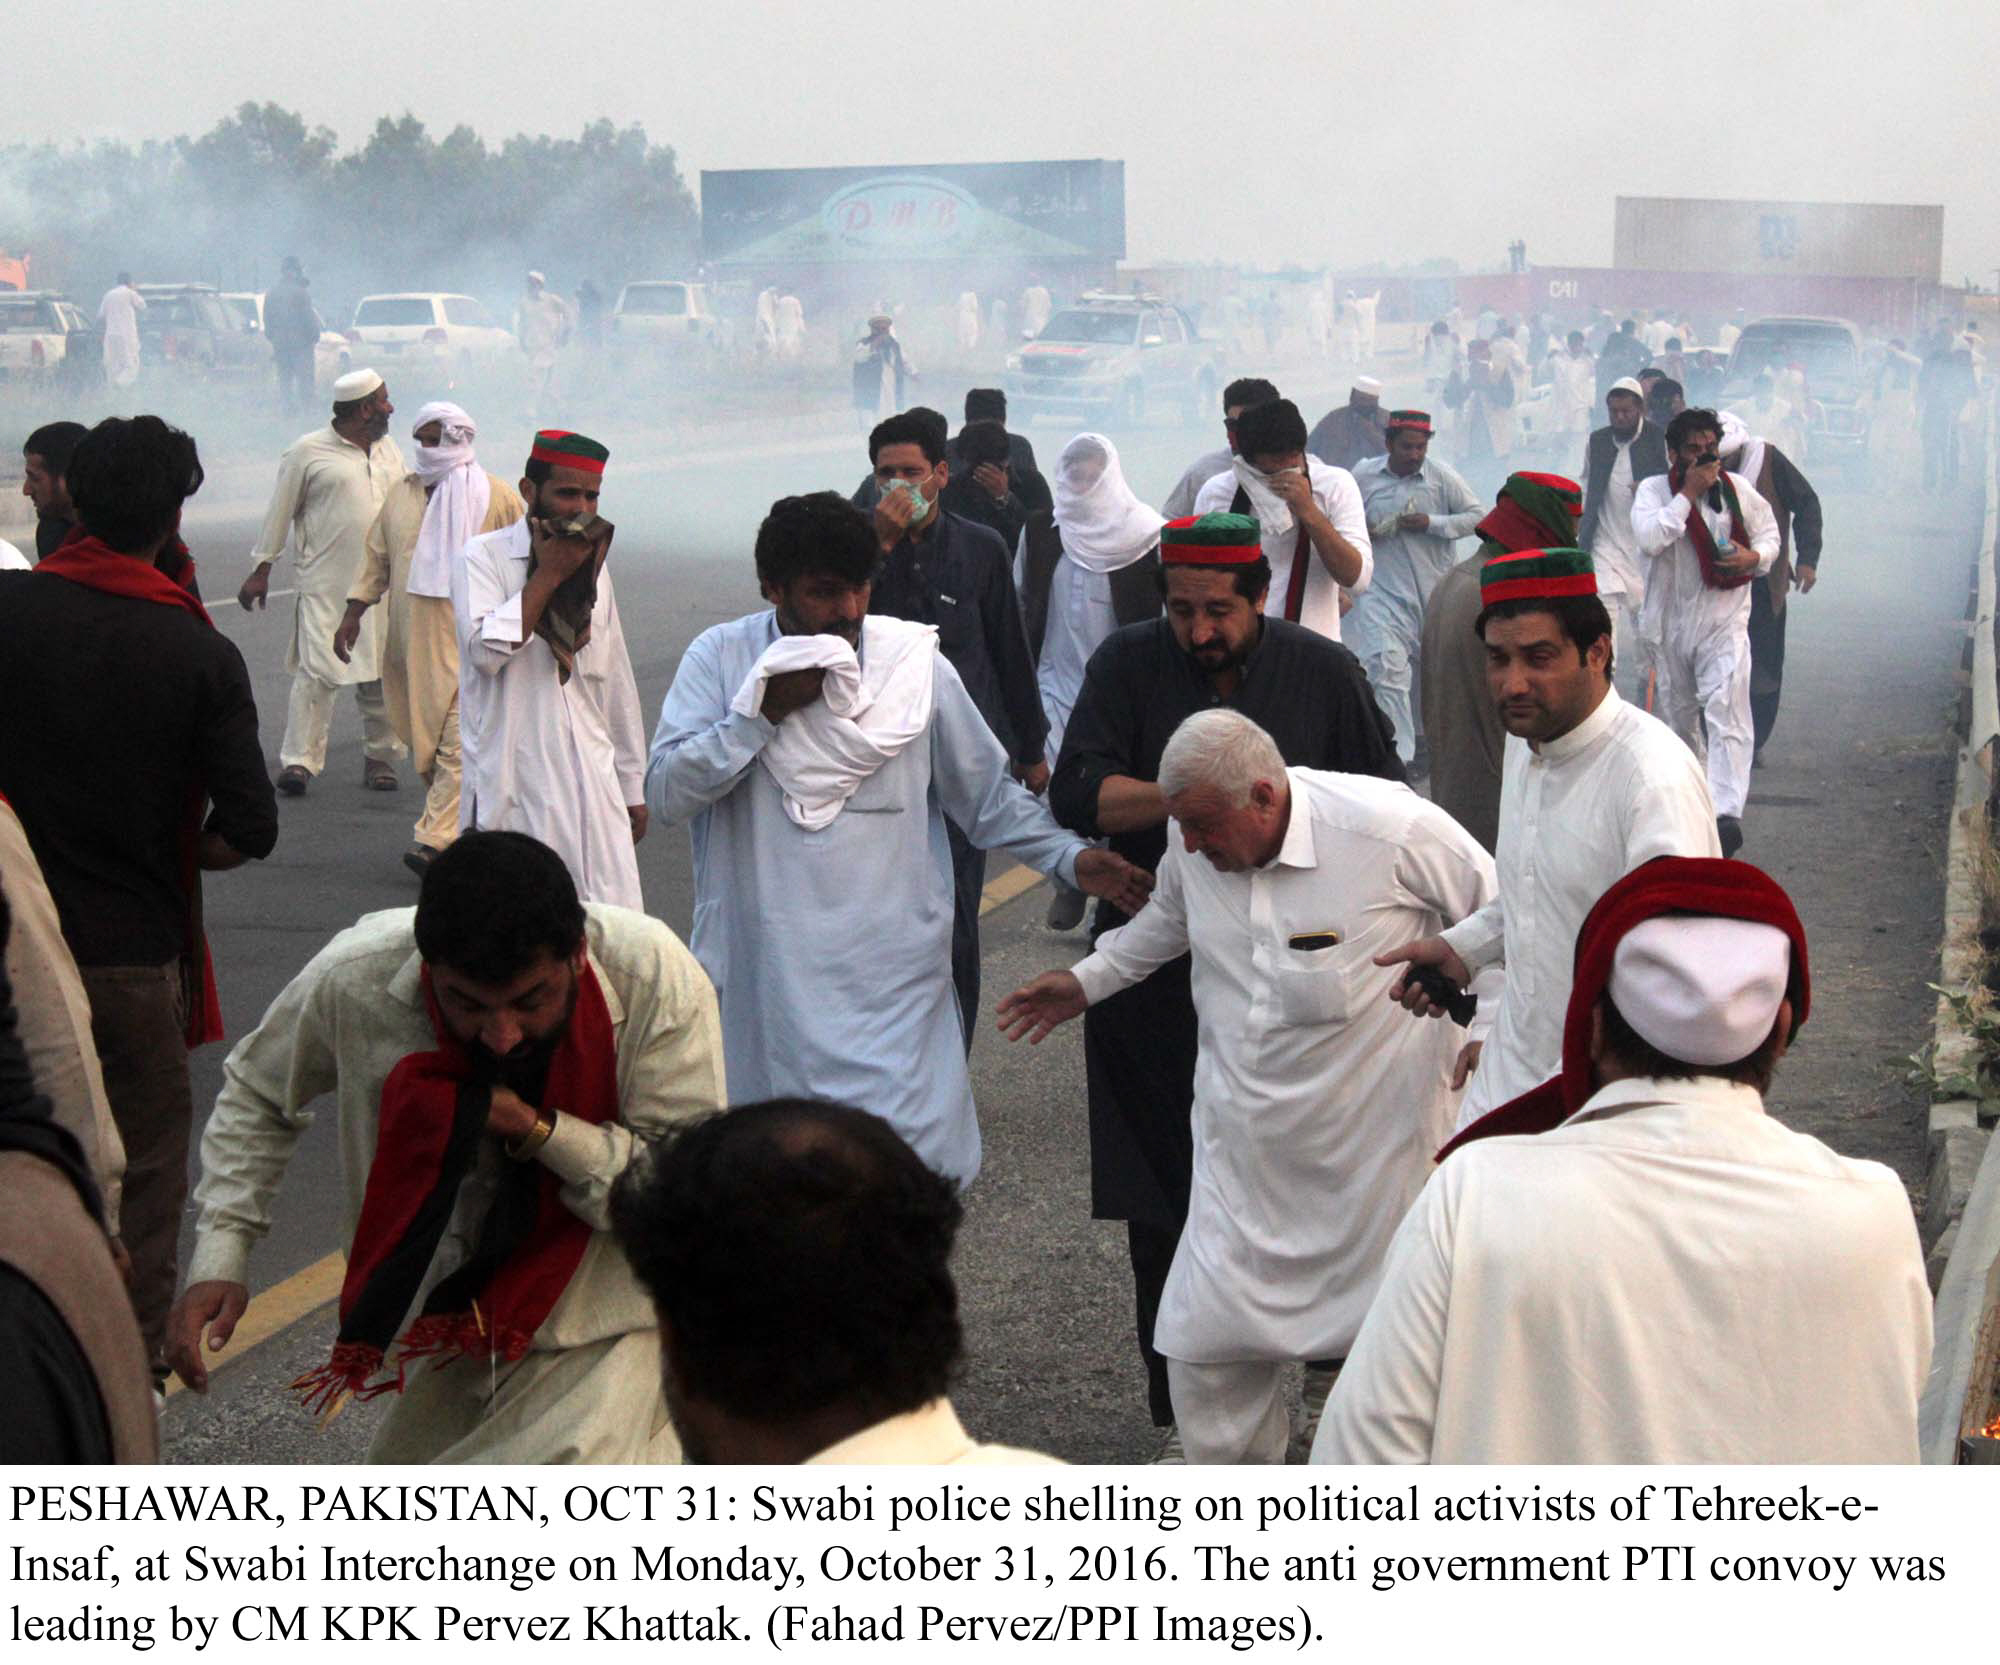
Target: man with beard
<point>45,455</point>
<point>549,726</point>
<point>815,750</point>
<point>1350,432</point>
<point>331,483</point>
<point>852,1365</point>
<point>426,521</point>
<point>1215,646</point>
<point>1625,451</point>
<point>1591,788</point>
<point>498,1055</point>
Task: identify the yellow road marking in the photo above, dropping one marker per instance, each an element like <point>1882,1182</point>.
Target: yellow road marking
<point>279,1308</point>
<point>304,1293</point>
<point>1017,881</point>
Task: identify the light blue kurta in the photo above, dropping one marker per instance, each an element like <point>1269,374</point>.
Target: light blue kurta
<point>830,951</point>
<point>1387,624</point>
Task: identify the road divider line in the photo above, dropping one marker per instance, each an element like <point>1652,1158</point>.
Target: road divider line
<point>281,1306</point>
<point>277,1309</point>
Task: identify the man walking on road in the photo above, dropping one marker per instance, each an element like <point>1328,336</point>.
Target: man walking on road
<point>1591,788</point>
<point>553,741</point>
<point>1626,451</point>
<point>118,316</point>
<point>426,521</point>
<point>1316,1106</point>
<point>292,326</point>
<point>1215,646</point>
<point>815,751</point>
<point>1707,537</point>
<point>1349,433</point>
<point>1417,508</point>
<point>498,1055</point>
<point>140,769</point>
<point>1237,397</point>
<point>331,483</point>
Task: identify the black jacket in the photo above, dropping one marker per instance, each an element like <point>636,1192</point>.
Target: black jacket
<point>959,577</point>
<point>1649,457</point>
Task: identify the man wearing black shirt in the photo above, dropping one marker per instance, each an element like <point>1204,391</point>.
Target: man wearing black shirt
<point>981,489</point>
<point>143,717</point>
<point>1214,647</point>
<point>989,404</point>
<point>942,570</point>
<point>45,458</point>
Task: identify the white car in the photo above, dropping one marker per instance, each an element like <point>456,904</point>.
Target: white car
<point>35,327</point>
<point>664,312</point>
<point>443,335</point>
<point>333,353</point>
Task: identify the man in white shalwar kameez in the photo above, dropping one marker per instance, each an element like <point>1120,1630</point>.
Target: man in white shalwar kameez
<point>331,484</point>
<point>824,916</point>
<point>500,960</point>
<point>552,740</point>
<point>1317,1106</point>
<point>1310,517</point>
<point>1707,537</point>
<point>119,313</point>
<point>1667,1274</point>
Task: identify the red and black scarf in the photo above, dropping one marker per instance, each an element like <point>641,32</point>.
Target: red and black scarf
<point>1705,885</point>
<point>94,564</point>
<point>528,1247</point>
<point>1704,540</point>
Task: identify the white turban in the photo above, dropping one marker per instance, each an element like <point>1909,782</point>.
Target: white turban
<point>460,493</point>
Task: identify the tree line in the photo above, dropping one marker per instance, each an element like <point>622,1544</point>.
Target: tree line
<point>404,210</point>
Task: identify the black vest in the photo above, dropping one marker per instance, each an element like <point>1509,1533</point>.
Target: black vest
<point>1135,589</point>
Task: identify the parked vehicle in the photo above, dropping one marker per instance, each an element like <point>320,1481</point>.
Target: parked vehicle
<point>38,329</point>
<point>663,313</point>
<point>429,333</point>
<point>188,326</point>
<point>1114,356</point>
<point>1828,350</point>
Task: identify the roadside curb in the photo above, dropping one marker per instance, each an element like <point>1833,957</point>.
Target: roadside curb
<point>1961,1220</point>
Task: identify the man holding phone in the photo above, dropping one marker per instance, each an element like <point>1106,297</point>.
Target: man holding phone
<point>1705,534</point>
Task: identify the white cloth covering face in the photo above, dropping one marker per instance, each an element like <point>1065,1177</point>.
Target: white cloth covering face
<point>869,709</point>
<point>1104,526</point>
<point>460,493</point>
<point>1274,515</point>
<point>1339,499</point>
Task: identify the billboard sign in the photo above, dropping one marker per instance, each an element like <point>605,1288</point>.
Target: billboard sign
<point>856,216</point>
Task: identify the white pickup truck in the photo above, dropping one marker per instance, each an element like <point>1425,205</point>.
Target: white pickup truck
<point>431,333</point>
<point>35,330</point>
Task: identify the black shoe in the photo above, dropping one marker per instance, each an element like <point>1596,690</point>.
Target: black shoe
<point>418,858</point>
<point>1730,830</point>
<point>293,781</point>
<point>1066,908</point>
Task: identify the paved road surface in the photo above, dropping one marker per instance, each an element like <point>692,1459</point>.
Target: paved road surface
<point>1849,813</point>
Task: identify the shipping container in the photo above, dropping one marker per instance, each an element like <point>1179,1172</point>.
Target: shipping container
<point>1780,239</point>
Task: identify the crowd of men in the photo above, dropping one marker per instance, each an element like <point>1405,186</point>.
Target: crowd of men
<point>1453,1097</point>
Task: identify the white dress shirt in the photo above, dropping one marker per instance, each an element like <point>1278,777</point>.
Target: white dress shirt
<point>560,761</point>
<point>1671,1276</point>
<point>1318,1103</point>
<point>1339,499</point>
<point>1577,814</point>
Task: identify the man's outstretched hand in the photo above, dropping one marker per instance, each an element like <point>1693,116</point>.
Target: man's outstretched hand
<point>208,1311</point>
<point>1116,880</point>
<point>1036,1008</point>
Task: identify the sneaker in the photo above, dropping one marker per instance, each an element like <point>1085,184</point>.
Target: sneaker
<point>1312,1397</point>
<point>418,858</point>
<point>1066,908</point>
<point>1172,1453</point>
<point>1730,830</point>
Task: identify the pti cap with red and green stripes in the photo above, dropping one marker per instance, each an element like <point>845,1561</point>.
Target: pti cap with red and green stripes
<point>1536,575</point>
<point>560,448</point>
<point>1212,540</point>
<point>1416,421</point>
<point>1534,511</point>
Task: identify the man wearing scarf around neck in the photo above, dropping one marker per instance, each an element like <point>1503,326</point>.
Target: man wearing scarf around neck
<point>499,1054</point>
<point>1637,1263</point>
<point>140,769</point>
<point>426,521</point>
<point>1707,536</point>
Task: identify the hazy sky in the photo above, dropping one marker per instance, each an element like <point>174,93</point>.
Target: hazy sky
<point>1260,130</point>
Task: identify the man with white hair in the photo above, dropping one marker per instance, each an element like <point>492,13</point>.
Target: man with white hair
<point>1635,1263</point>
<point>1316,1108</point>
<point>427,519</point>
<point>331,483</point>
